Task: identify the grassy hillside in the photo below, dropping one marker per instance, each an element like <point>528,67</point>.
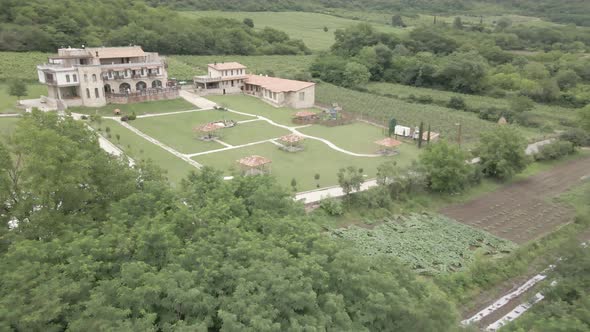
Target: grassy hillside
<point>308,27</point>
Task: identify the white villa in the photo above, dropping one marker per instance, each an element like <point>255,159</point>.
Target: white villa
<point>231,77</point>
<point>97,76</point>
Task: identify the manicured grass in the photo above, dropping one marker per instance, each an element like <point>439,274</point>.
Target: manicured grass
<point>138,148</point>
<point>357,137</point>
<point>176,130</point>
<point>8,103</point>
<point>317,158</point>
<point>148,107</point>
<point>308,27</point>
<point>7,126</point>
<point>186,66</point>
<point>251,132</point>
<point>253,105</point>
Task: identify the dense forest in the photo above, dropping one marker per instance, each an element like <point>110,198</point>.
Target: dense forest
<point>569,11</point>
<point>44,25</point>
<point>96,245</point>
<point>467,60</point>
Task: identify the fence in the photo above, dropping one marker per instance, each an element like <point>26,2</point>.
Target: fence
<point>143,95</point>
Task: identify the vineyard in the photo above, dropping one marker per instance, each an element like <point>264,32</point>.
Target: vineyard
<point>429,244</point>
<point>20,65</point>
<point>381,109</point>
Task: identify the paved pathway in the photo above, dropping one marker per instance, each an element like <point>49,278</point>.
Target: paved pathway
<point>231,147</point>
<point>198,101</point>
<point>169,113</point>
<point>314,196</point>
<point>9,115</point>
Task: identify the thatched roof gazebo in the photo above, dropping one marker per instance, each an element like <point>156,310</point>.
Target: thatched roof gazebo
<point>389,145</point>
<point>292,143</point>
<point>253,165</point>
<point>208,129</point>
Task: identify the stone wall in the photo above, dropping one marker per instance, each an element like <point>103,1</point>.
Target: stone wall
<point>145,95</point>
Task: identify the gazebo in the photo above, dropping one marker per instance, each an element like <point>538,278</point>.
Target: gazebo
<point>305,116</point>
<point>389,146</point>
<point>209,130</point>
<point>254,165</point>
<point>291,143</point>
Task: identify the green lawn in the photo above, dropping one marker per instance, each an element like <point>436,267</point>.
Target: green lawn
<point>317,158</point>
<point>8,103</point>
<point>159,106</point>
<point>251,132</point>
<point>357,137</point>
<point>7,126</point>
<point>176,130</point>
<point>253,105</point>
<point>308,27</point>
<point>139,148</point>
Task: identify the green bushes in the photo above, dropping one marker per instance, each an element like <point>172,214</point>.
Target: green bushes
<point>332,206</point>
<point>555,150</point>
<point>457,103</point>
<point>577,136</point>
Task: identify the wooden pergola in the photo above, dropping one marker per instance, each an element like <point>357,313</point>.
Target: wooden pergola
<point>389,144</point>
<point>292,142</point>
<point>305,116</point>
<point>208,129</point>
<point>253,165</point>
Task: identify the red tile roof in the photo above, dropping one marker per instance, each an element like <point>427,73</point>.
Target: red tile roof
<point>304,114</point>
<point>276,84</point>
<point>388,142</point>
<point>292,138</point>
<point>254,161</point>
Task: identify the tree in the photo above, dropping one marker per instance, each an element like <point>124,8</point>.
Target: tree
<point>249,22</point>
<point>445,167</point>
<point>520,104</point>
<point>457,23</point>
<point>355,75</point>
<point>397,21</point>
<point>584,118</point>
<point>392,124</point>
<point>502,152</point>
<point>325,29</point>
<point>17,88</point>
<point>457,103</point>
<point>316,177</point>
<point>350,179</point>
<point>420,134</point>
<point>503,23</point>
<point>294,184</point>
<point>464,72</point>
<point>567,79</point>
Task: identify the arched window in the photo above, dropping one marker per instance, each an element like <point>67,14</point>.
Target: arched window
<point>87,93</point>
<point>68,78</point>
<point>93,77</point>
<point>96,93</point>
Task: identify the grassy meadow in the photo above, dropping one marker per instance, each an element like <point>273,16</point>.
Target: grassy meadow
<point>308,27</point>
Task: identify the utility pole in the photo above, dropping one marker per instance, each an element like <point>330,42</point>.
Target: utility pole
<point>458,132</point>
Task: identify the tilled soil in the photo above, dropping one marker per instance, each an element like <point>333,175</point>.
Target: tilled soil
<point>523,210</point>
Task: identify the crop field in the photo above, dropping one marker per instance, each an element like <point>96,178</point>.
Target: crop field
<point>186,66</point>
<point>382,109</point>
<point>524,210</point>
<point>20,65</point>
<point>550,114</point>
<point>429,244</point>
<point>308,27</point>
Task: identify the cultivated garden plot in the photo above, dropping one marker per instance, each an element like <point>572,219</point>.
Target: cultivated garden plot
<point>429,244</point>
<point>524,210</point>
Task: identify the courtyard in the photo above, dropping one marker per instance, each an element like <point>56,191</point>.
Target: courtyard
<point>172,139</point>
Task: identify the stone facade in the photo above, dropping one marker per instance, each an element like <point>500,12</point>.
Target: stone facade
<point>88,76</point>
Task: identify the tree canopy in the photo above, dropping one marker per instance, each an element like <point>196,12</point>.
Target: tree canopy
<point>502,152</point>
<point>96,245</point>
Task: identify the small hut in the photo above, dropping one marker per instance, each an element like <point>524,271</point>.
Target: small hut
<point>502,121</point>
<point>389,146</point>
<point>304,117</point>
<point>254,165</point>
<point>117,111</point>
<point>291,143</point>
<point>208,131</point>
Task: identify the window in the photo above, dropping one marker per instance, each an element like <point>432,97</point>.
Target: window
<point>85,77</point>
<point>68,78</point>
<point>87,93</point>
<point>96,93</point>
<point>75,78</point>
<point>232,83</point>
<point>93,77</point>
<point>301,96</point>
<point>274,95</point>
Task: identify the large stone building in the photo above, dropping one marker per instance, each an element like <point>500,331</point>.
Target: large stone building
<point>96,76</point>
<point>231,77</point>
